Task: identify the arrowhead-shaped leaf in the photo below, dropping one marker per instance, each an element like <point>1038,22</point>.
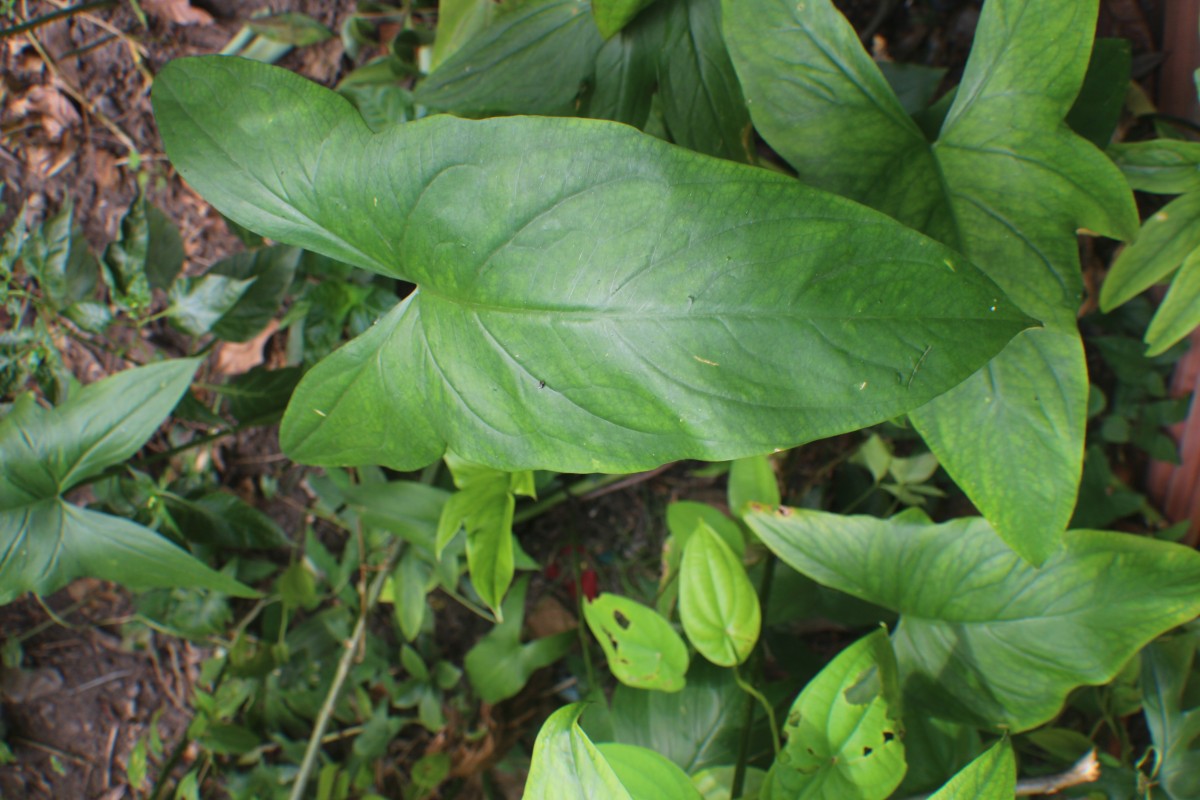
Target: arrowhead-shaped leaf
<point>984,637</point>
<point>45,542</point>
<point>1005,181</point>
<point>590,298</point>
<point>843,732</point>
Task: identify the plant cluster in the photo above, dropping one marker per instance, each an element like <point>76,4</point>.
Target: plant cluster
<point>595,238</point>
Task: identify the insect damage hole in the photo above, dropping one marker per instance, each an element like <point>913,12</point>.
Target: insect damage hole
<point>621,620</point>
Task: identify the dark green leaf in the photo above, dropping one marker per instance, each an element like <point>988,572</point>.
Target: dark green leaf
<point>1167,666</point>
<point>1168,237</point>
<point>984,637</point>
<point>1097,108</point>
<point>272,270</point>
<point>197,303</point>
<point>465,361</point>
<point>1179,313</point>
<point>624,82</point>
<point>260,395</point>
<point>410,582</point>
<point>642,648</point>
<point>696,728</point>
<point>224,520</point>
<point>125,260</point>
<point>913,84</point>
<point>701,99</point>
<point>164,253</point>
<point>1163,166</point>
<point>503,68</point>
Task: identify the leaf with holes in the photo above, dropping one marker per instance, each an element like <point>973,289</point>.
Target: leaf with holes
<point>642,648</point>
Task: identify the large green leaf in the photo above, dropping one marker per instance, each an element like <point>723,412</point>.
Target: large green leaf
<point>992,776</point>
<point>565,763</point>
<point>503,67</point>
<point>843,732</point>
<point>1011,196</point>
<point>984,637</point>
<point>664,340</point>
<point>45,542</point>
<point>1167,667</point>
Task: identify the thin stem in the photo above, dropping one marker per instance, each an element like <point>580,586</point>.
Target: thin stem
<point>585,486</point>
<point>46,19</point>
<point>762,700</point>
<point>739,770</point>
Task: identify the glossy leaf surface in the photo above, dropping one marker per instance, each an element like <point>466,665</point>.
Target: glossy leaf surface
<point>843,732</point>
<point>984,637</point>
<point>642,648</point>
<point>717,603</point>
<point>992,776</point>
<point>1010,197</point>
<point>566,764</point>
<point>539,337</point>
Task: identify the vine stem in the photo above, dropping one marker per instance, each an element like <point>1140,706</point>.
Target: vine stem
<point>351,645</point>
<point>739,770</point>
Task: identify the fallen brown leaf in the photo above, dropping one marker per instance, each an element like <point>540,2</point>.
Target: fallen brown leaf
<point>179,12</point>
<point>234,358</point>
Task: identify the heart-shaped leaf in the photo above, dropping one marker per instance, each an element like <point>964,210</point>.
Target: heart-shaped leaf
<point>984,637</point>
<point>843,732</point>
<point>1010,196</point>
<point>642,648</point>
<point>717,604</point>
<point>603,312</point>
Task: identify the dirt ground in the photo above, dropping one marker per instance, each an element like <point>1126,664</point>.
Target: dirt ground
<point>76,122</point>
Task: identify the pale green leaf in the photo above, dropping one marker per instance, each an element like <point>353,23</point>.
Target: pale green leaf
<point>992,776</point>
<point>613,15</point>
<point>716,783</point>
<point>664,345</point>
<point>566,764</point>
<point>1165,240</point>
<point>642,648</point>
<point>752,480</point>
<point>1179,313</point>
<point>984,637</point>
<point>717,603</point>
<point>646,775</point>
<point>843,732</point>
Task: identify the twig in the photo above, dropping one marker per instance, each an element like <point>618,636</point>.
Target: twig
<point>1085,770</point>
<point>110,749</point>
<point>351,647</point>
<point>586,489</point>
<point>46,19</point>
<point>115,675</point>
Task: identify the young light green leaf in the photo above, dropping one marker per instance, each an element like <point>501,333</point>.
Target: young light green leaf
<point>696,728</point>
<point>843,732</point>
<point>717,603</point>
<point>992,776</point>
<point>1179,313</point>
<point>565,763</point>
<point>613,15</point>
<point>500,665</point>
<point>410,584</point>
<point>646,775</point>
<point>716,783</point>
<point>752,480</point>
<point>877,322</point>
<point>501,69</point>
<point>1011,200</point>
<point>483,507</point>
<point>642,648</point>
<point>985,638</point>
<point>1167,238</point>
<point>1167,667</point>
